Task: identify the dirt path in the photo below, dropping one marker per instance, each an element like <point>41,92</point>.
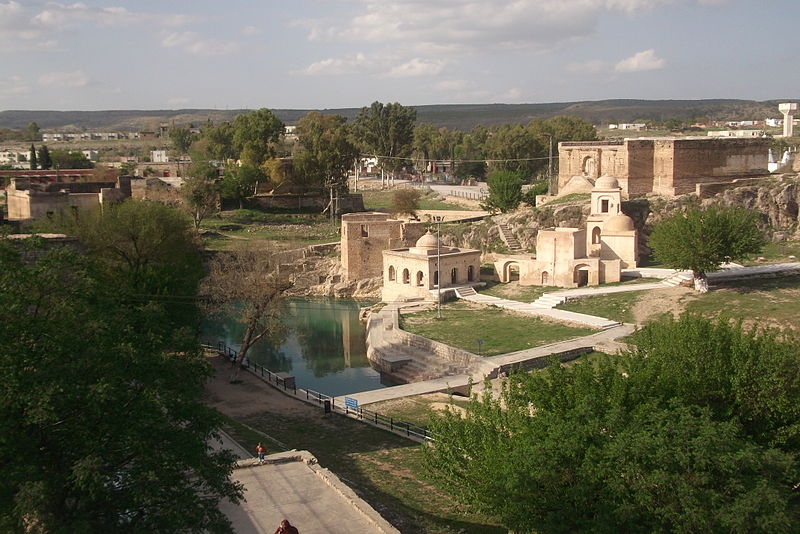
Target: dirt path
<point>652,304</point>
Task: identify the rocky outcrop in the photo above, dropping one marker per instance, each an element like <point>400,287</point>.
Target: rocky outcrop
<point>320,274</point>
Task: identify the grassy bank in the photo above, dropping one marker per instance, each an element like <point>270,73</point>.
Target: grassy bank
<point>500,331</point>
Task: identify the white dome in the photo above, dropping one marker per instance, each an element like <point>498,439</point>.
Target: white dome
<point>427,241</point>
<point>606,182</point>
<point>619,223</point>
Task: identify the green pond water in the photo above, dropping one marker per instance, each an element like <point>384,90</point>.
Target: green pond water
<point>324,347</point>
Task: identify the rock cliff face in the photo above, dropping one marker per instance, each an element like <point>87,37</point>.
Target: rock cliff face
<point>321,275</point>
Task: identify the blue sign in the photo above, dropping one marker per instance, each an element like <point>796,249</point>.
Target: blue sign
<point>351,403</point>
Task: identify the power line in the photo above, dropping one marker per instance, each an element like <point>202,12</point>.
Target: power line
<point>458,159</point>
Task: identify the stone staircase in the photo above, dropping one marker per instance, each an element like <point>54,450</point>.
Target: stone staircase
<point>508,238</point>
<point>548,301</point>
<point>462,292</point>
<point>678,278</point>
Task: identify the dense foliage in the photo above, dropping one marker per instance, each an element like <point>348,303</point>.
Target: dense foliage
<point>701,239</point>
<point>696,430</point>
<point>102,428</point>
<point>505,191</point>
<point>326,152</point>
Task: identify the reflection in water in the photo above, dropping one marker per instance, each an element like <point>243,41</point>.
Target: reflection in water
<point>324,347</point>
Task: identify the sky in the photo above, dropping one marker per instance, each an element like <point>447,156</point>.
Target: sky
<point>317,54</point>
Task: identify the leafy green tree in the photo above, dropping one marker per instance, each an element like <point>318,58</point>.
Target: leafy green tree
<point>128,168</point>
<point>432,143</point>
<point>45,162</point>
<point>69,159</point>
<point>515,148</point>
<point>693,431</point>
<point>200,191</point>
<point>239,182</point>
<point>254,135</point>
<point>326,153</point>
<point>405,202</point>
<point>470,155</point>
<point>387,131</point>
<point>33,132</point>
<point>702,239</point>
<point>181,139</point>
<point>505,191</point>
<point>102,425</point>
<point>34,161</point>
<point>214,143</point>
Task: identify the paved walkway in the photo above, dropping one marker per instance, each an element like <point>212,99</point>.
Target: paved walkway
<point>312,498</point>
<point>600,340</point>
<point>531,309</point>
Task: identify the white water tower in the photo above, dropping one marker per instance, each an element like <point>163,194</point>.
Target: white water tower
<point>788,111</point>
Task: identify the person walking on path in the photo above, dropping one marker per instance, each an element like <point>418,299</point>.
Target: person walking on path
<point>286,528</point>
<point>260,450</point>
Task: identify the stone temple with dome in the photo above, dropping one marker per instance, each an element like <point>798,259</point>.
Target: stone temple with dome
<point>413,273</point>
<point>575,257</point>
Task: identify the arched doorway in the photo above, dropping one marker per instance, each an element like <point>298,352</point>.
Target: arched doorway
<point>470,274</point>
<point>406,276</point>
<point>511,271</point>
<point>419,278</point>
<point>581,275</point>
<point>596,235</point>
<point>454,276</point>
<point>545,278</point>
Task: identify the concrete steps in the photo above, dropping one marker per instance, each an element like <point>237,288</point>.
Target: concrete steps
<point>678,278</point>
<point>462,292</point>
<point>508,238</point>
<point>548,301</point>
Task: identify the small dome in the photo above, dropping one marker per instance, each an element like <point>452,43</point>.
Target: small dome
<point>606,182</point>
<point>619,223</point>
<point>427,241</point>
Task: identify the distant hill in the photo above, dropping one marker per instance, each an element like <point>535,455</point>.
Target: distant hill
<point>460,116</point>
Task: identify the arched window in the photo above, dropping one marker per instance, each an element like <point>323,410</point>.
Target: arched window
<point>406,277</point>
<point>391,273</point>
<point>419,278</point>
<point>470,273</point>
<point>545,278</point>
<point>596,235</point>
<point>454,276</point>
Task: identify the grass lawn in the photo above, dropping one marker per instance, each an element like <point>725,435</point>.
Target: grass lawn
<point>283,230</point>
<point>385,469</point>
<point>416,410</point>
<point>777,253</point>
<point>382,201</point>
<point>514,291</point>
<point>501,331</point>
<point>773,302</point>
<point>615,306</point>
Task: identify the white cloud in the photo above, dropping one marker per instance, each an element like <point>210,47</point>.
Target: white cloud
<point>337,66</point>
<point>13,86</point>
<point>193,43</point>
<point>250,30</point>
<point>417,67</point>
<point>75,78</point>
<point>641,61</point>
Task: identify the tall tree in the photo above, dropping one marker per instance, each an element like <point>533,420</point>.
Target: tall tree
<point>702,239</point>
<point>505,191</point>
<point>239,182</point>
<point>254,135</point>
<point>326,153</point>
<point>33,132</point>
<point>387,131</point>
<point>200,191</point>
<point>102,426</point>
<point>44,158</point>
<point>516,148</point>
<point>669,438</point>
<point>33,160</point>
<point>246,283</point>
<point>69,159</point>
<point>181,139</point>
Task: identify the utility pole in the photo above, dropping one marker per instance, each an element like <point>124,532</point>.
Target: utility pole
<point>438,219</point>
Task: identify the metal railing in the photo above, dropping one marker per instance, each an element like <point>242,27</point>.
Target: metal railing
<point>326,401</point>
